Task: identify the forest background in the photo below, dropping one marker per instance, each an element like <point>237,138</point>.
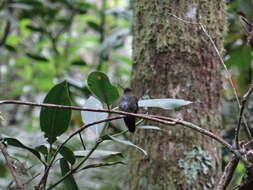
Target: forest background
<point>43,43</point>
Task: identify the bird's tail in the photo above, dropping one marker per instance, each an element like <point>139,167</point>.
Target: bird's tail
<point>130,123</point>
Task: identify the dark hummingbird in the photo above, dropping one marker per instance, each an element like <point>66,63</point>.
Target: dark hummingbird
<point>129,103</point>
<point>248,28</point>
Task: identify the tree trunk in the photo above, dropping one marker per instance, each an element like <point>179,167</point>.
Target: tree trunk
<point>174,59</point>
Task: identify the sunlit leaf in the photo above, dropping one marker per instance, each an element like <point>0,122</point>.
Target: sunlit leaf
<point>100,86</point>
<point>55,121</point>
<point>163,103</point>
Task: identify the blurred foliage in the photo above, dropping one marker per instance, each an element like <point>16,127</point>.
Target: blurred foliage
<point>43,42</point>
<point>50,40</point>
<point>238,59</point>
<point>238,54</point>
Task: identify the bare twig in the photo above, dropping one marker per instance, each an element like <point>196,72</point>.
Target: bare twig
<point>10,166</point>
<point>227,174</point>
<point>81,139</point>
<point>237,130</point>
<point>166,121</point>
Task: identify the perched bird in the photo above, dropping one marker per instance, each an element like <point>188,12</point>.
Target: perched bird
<point>248,27</point>
<point>129,103</point>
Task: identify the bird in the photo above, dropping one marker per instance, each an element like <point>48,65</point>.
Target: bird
<point>129,103</point>
<point>248,28</point>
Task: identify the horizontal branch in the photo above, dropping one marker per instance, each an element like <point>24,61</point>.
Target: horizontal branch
<point>159,119</point>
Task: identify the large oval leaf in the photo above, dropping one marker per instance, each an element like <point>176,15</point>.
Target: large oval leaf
<point>163,103</point>
<point>90,117</point>
<point>100,86</point>
<point>55,121</point>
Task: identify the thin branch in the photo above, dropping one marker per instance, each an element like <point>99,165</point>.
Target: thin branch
<point>10,166</point>
<point>81,139</point>
<point>237,130</point>
<point>167,121</point>
<point>228,174</point>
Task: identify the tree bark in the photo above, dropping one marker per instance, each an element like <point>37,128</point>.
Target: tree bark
<point>174,59</point>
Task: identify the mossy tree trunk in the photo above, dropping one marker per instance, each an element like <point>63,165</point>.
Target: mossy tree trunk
<point>174,59</point>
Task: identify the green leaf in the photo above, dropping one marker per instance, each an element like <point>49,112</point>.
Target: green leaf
<point>17,143</point>
<point>37,57</point>
<point>35,29</point>
<point>42,149</point>
<point>163,103</point>
<point>68,155</point>
<point>79,62</point>
<point>10,48</point>
<point>69,182</point>
<point>94,26</point>
<point>149,127</point>
<point>100,85</point>
<point>129,143</point>
<point>54,121</point>
<point>241,58</point>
